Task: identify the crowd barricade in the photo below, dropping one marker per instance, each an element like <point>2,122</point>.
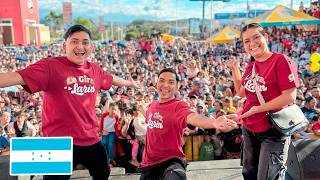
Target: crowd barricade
<point>192,145</point>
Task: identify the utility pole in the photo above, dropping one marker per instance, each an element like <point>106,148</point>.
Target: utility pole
<point>176,29</point>
<point>203,14</point>
<point>211,21</point>
<point>202,23</point>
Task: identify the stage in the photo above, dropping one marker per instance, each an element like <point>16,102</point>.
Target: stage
<point>200,170</point>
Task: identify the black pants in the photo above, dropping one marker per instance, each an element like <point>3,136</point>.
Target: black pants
<point>264,155</point>
<point>93,157</point>
<point>173,169</point>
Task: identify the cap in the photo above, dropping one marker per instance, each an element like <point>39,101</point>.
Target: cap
<point>201,105</point>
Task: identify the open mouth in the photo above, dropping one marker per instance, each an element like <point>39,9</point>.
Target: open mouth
<point>254,49</point>
<point>79,53</point>
<point>165,91</point>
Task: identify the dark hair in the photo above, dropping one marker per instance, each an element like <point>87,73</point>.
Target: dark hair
<point>113,105</point>
<point>309,99</point>
<point>76,28</point>
<point>171,70</point>
<point>252,25</point>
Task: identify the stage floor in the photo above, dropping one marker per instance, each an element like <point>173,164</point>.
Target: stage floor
<point>200,170</point>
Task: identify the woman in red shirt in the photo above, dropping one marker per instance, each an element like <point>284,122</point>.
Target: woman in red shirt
<point>265,150</point>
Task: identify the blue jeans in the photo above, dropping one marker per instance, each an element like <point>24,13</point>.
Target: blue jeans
<point>108,142</point>
<point>264,155</point>
<point>4,142</point>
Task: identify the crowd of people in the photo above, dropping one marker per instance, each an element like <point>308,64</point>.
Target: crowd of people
<point>206,84</point>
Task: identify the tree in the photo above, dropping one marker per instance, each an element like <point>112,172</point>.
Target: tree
<point>131,35</point>
<point>55,22</point>
<point>85,22</point>
<point>96,35</point>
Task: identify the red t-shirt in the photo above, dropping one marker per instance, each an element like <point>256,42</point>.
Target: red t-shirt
<point>316,14</point>
<point>164,138</point>
<point>316,126</point>
<point>278,73</point>
<point>287,44</point>
<point>69,96</point>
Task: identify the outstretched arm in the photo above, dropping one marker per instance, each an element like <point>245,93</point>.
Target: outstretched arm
<point>117,81</point>
<point>222,123</point>
<point>10,79</point>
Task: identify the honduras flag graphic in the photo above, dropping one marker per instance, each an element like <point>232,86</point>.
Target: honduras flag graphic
<point>41,156</point>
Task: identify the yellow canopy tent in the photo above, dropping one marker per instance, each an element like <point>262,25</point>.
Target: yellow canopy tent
<point>226,35</point>
<point>282,16</point>
<point>168,38</point>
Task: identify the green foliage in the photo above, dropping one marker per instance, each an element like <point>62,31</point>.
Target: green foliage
<point>86,22</point>
<point>55,23</point>
<point>140,27</point>
<point>131,35</point>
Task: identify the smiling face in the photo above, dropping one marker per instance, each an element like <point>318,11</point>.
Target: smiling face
<point>256,43</point>
<point>167,86</point>
<point>78,47</point>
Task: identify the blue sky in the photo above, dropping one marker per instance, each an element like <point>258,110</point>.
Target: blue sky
<point>127,10</point>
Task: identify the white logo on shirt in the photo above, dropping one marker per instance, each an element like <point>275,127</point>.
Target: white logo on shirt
<point>291,77</point>
<point>251,87</point>
<point>155,121</point>
<point>73,86</point>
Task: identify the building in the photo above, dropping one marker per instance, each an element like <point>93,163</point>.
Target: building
<point>67,14</point>
<point>19,22</point>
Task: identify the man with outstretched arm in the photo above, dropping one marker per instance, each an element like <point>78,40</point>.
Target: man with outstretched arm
<point>70,85</point>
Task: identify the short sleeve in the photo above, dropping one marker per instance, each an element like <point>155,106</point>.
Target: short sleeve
<point>182,112</point>
<point>107,78</point>
<point>287,73</point>
<point>36,76</point>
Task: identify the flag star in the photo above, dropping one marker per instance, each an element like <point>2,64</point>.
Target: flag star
<point>49,159</point>
<point>41,155</point>
<point>32,159</point>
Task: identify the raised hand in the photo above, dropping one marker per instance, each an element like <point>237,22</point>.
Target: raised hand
<point>233,63</point>
<point>127,118</point>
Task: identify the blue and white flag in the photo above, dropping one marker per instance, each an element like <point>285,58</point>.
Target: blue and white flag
<point>41,156</point>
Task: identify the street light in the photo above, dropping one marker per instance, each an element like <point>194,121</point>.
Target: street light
<point>203,9</point>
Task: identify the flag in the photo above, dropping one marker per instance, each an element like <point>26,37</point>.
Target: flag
<point>41,156</point>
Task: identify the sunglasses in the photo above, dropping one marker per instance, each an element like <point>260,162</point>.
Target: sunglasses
<point>252,25</point>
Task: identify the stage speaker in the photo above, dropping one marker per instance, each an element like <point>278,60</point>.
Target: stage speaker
<point>4,169</point>
<point>304,160</point>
